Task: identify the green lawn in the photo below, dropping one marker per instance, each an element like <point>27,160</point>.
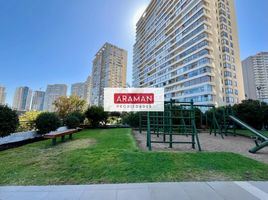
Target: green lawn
<point>247,133</point>
<point>111,156</point>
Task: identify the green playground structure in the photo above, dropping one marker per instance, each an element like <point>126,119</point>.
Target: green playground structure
<point>261,141</point>
<point>179,119</point>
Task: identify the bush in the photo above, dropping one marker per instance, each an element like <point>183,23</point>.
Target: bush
<point>47,122</point>
<point>72,121</point>
<point>78,115</point>
<point>9,121</point>
<point>131,119</point>
<point>96,115</point>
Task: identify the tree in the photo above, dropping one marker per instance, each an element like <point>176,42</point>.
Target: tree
<point>66,105</point>
<point>131,119</point>
<point>9,121</point>
<point>27,120</point>
<point>251,112</point>
<point>96,115</point>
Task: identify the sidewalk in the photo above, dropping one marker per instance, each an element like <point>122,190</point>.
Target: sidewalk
<point>143,191</point>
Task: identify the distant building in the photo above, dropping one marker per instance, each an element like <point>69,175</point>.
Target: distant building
<point>79,89</point>
<point>2,95</point>
<point>109,70</point>
<point>255,73</point>
<point>53,92</point>
<point>88,87</point>
<point>38,101</point>
<point>22,99</point>
<point>189,48</point>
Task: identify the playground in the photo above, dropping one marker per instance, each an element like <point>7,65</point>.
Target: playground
<point>209,143</point>
<point>176,129</point>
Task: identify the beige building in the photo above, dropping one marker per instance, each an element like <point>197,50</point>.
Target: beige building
<point>191,49</point>
<point>109,70</point>
<point>88,87</point>
<point>79,89</point>
<point>53,92</point>
<point>22,99</point>
<point>38,101</point>
<point>255,73</point>
<point>2,95</point>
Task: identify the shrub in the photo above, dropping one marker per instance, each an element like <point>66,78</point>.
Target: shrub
<point>79,115</point>
<point>72,121</point>
<point>96,115</point>
<point>47,122</point>
<point>131,119</point>
<point>9,121</point>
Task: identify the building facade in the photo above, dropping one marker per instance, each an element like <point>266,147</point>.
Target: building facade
<point>255,73</point>
<point>189,47</point>
<point>109,70</point>
<point>88,87</point>
<point>53,92</point>
<point>2,95</point>
<point>79,89</point>
<point>38,101</point>
<point>22,99</point>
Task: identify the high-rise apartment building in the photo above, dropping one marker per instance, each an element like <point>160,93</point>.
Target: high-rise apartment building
<point>2,95</point>
<point>88,87</point>
<point>79,89</point>
<point>22,99</point>
<point>189,47</point>
<point>109,70</point>
<point>255,73</point>
<point>53,92</point>
<point>38,100</point>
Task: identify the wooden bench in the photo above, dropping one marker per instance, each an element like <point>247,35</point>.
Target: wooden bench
<point>62,134</point>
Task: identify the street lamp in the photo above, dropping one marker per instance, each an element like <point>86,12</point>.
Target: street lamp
<point>259,91</point>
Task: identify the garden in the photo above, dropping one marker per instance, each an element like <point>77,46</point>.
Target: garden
<point>101,153</point>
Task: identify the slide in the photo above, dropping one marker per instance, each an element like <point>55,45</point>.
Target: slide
<point>255,132</point>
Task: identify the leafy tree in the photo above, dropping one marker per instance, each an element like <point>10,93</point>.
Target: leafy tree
<point>27,120</point>
<point>67,105</point>
<point>9,121</point>
<point>251,112</point>
<point>96,115</point>
<point>47,122</point>
<point>131,119</point>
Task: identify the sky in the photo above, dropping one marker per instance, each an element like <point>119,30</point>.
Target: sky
<point>54,41</point>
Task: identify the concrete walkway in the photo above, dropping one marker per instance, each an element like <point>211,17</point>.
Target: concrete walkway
<point>144,191</point>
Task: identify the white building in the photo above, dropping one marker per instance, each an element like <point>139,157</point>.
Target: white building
<point>22,99</point>
<point>53,92</point>
<point>255,72</point>
<point>2,95</point>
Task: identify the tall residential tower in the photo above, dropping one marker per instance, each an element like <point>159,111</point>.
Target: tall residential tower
<point>189,47</point>
<point>109,70</point>
<point>38,101</point>
<point>255,73</point>
<point>2,95</point>
<point>53,92</point>
<point>22,99</point>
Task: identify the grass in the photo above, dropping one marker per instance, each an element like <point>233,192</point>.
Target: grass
<point>111,156</point>
<point>247,133</point>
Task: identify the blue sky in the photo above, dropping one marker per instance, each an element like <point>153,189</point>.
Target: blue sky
<point>54,41</point>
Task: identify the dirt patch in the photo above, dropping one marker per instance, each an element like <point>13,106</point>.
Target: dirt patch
<point>209,143</point>
<point>68,145</point>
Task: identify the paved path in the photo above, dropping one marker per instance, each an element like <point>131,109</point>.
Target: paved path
<point>143,191</point>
